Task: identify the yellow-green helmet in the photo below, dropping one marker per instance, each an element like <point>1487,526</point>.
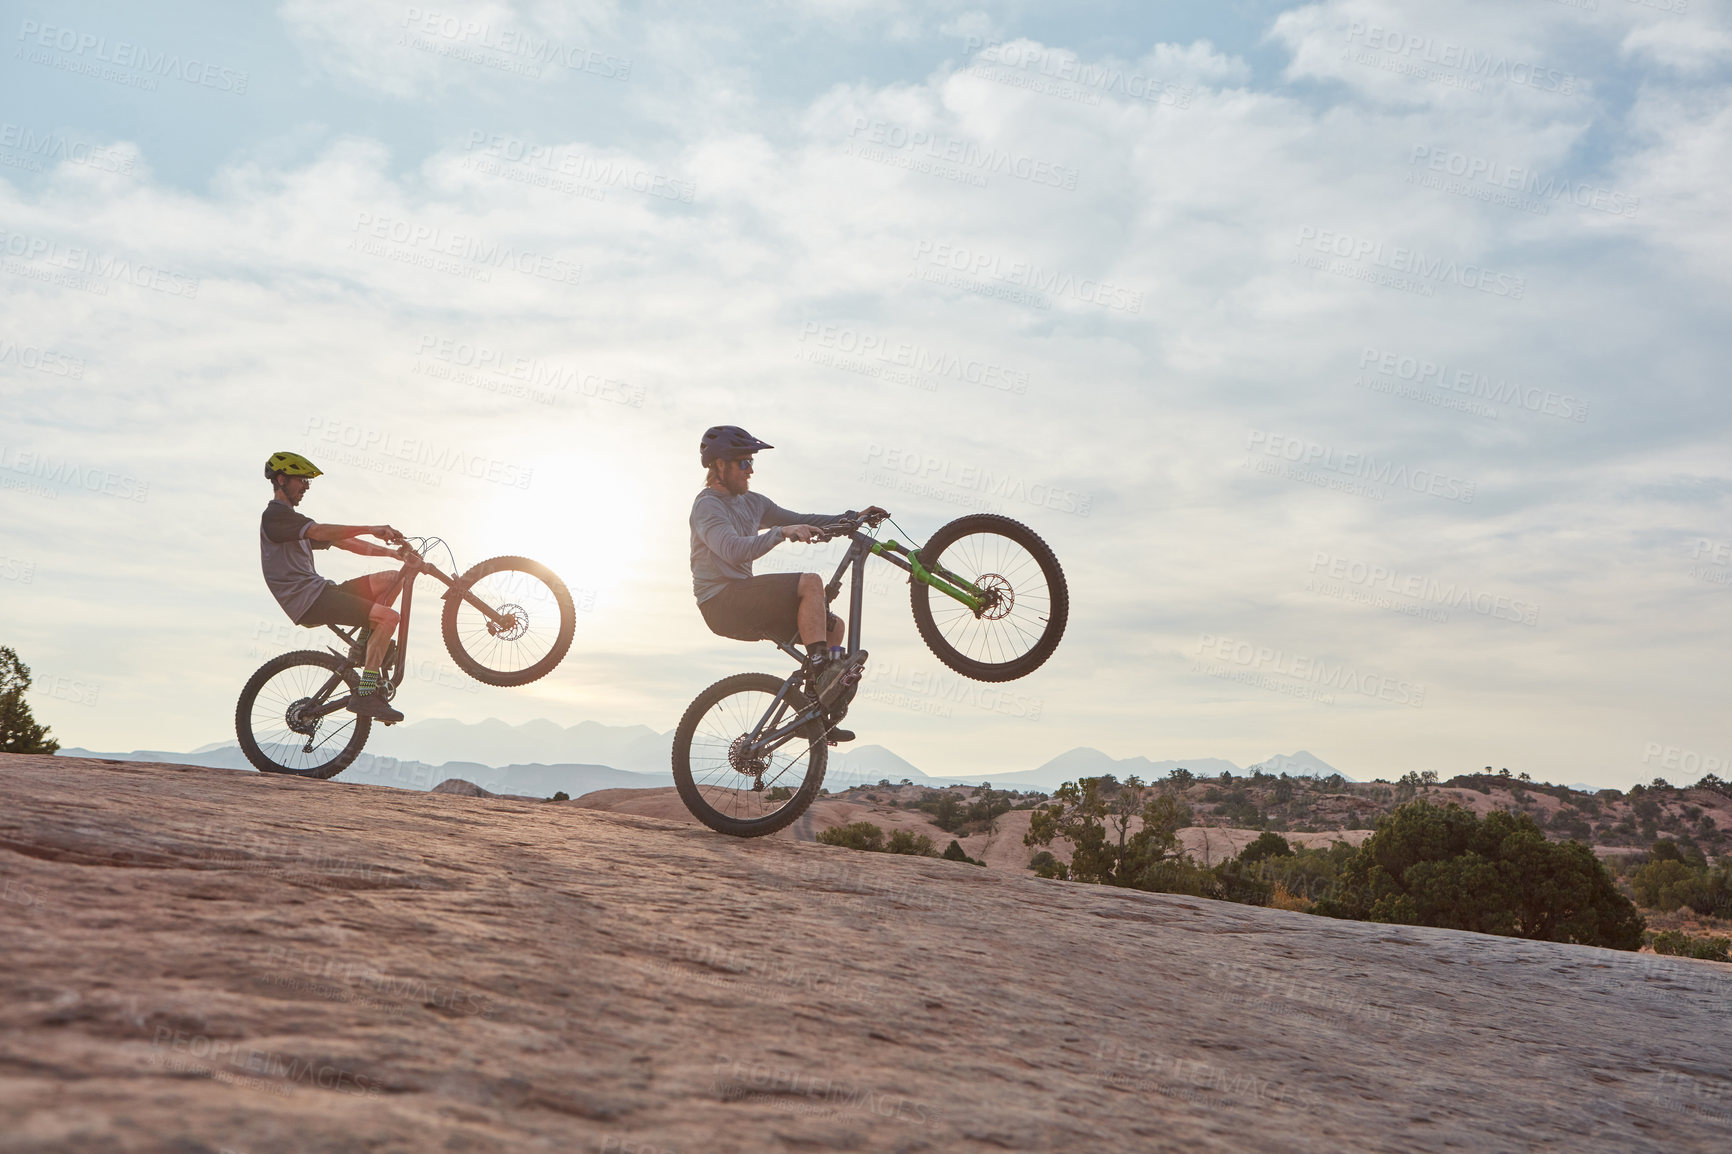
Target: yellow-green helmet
<point>290,464</point>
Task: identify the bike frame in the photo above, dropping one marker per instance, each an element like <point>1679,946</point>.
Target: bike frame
<point>853,569</point>
<point>407,577</point>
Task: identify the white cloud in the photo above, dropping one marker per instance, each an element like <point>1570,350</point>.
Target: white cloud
<point>731,234</point>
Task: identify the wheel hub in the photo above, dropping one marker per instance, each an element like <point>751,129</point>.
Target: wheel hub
<point>295,717</point>
<point>745,762</point>
<point>518,627</point>
<point>999,598</point>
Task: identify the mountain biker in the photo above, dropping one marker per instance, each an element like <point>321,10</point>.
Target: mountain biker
<point>726,521</point>
<point>286,543</point>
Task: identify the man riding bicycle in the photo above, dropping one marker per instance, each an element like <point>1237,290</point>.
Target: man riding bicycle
<point>286,543</point>
<point>726,521</point>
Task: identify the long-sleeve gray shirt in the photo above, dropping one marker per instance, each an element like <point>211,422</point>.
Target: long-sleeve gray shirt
<point>726,538</point>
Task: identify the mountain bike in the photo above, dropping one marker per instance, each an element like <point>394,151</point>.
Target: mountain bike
<point>989,600</point>
<point>507,621</point>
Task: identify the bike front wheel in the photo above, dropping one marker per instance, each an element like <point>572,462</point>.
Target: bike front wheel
<point>1025,600</point>
<point>528,630</point>
<point>725,787</point>
<point>284,722</point>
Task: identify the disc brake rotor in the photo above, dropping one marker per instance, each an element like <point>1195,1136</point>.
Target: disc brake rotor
<point>1000,598</point>
<point>518,627</point>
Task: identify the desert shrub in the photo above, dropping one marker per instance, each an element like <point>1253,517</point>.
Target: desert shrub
<point>1045,864</point>
<point>1267,845</point>
<point>908,842</point>
<point>1442,866</point>
<point>1178,876</point>
<point>1677,875</point>
<point>862,835</point>
<point>1682,945</point>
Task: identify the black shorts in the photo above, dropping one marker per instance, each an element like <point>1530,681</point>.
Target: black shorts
<point>339,605</point>
<point>761,608</point>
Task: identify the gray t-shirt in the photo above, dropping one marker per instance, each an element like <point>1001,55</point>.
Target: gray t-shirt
<point>725,537</point>
<point>286,555</point>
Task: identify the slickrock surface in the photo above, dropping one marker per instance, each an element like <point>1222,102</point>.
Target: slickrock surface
<point>200,960</point>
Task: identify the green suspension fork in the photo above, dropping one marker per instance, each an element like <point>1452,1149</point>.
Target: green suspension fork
<point>944,581</point>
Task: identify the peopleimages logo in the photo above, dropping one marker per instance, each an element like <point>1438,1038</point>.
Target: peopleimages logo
<point>1023,275</point>
<point>1311,670</point>
<point>103,267</point>
<point>86,46</point>
<point>1474,384</point>
<point>930,470</point>
<point>1360,466</point>
<point>588,170</point>
<point>49,146</point>
<point>917,358</point>
<point>1497,176</point>
<point>1687,761</point>
<point>1374,577</point>
<point>413,236</point>
<point>965,154</point>
<point>1069,68</point>
<point>1412,262</point>
<point>412,452</point>
<point>1470,62</point>
<point>41,360</point>
<point>467,36</point>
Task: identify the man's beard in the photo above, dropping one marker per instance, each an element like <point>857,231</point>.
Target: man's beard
<point>737,485</point>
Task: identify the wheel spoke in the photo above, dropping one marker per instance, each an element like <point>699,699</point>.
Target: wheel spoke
<point>731,783</point>
<point>539,621</point>
<point>1018,615</point>
<point>279,725</point>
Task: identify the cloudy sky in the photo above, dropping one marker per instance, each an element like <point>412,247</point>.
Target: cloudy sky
<point>1363,362</point>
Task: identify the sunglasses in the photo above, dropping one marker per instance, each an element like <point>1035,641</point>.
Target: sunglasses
<point>745,463</point>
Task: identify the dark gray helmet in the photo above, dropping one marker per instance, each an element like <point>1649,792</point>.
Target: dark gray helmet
<point>727,442</point>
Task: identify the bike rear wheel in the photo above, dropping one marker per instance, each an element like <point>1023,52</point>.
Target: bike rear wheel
<point>728,791</point>
<point>542,621</point>
<point>1029,602</point>
<point>272,717</point>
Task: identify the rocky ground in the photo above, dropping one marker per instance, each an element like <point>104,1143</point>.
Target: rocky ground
<point>202,960</point>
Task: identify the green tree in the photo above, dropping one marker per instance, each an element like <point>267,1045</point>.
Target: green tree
<point>1095,816</point>
<point>955,852</point>
<point>19,732</point>
<point>1442,866</point>
<point>1268,844</point>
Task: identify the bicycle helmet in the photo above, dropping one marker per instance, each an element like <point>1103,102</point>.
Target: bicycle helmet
<point>726,442</point>
<point>291,465</point>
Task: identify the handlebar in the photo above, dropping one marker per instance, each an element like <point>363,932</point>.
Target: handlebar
<point>847,523</point>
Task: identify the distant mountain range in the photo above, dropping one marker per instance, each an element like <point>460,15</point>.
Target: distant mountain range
<point>539,758</point>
